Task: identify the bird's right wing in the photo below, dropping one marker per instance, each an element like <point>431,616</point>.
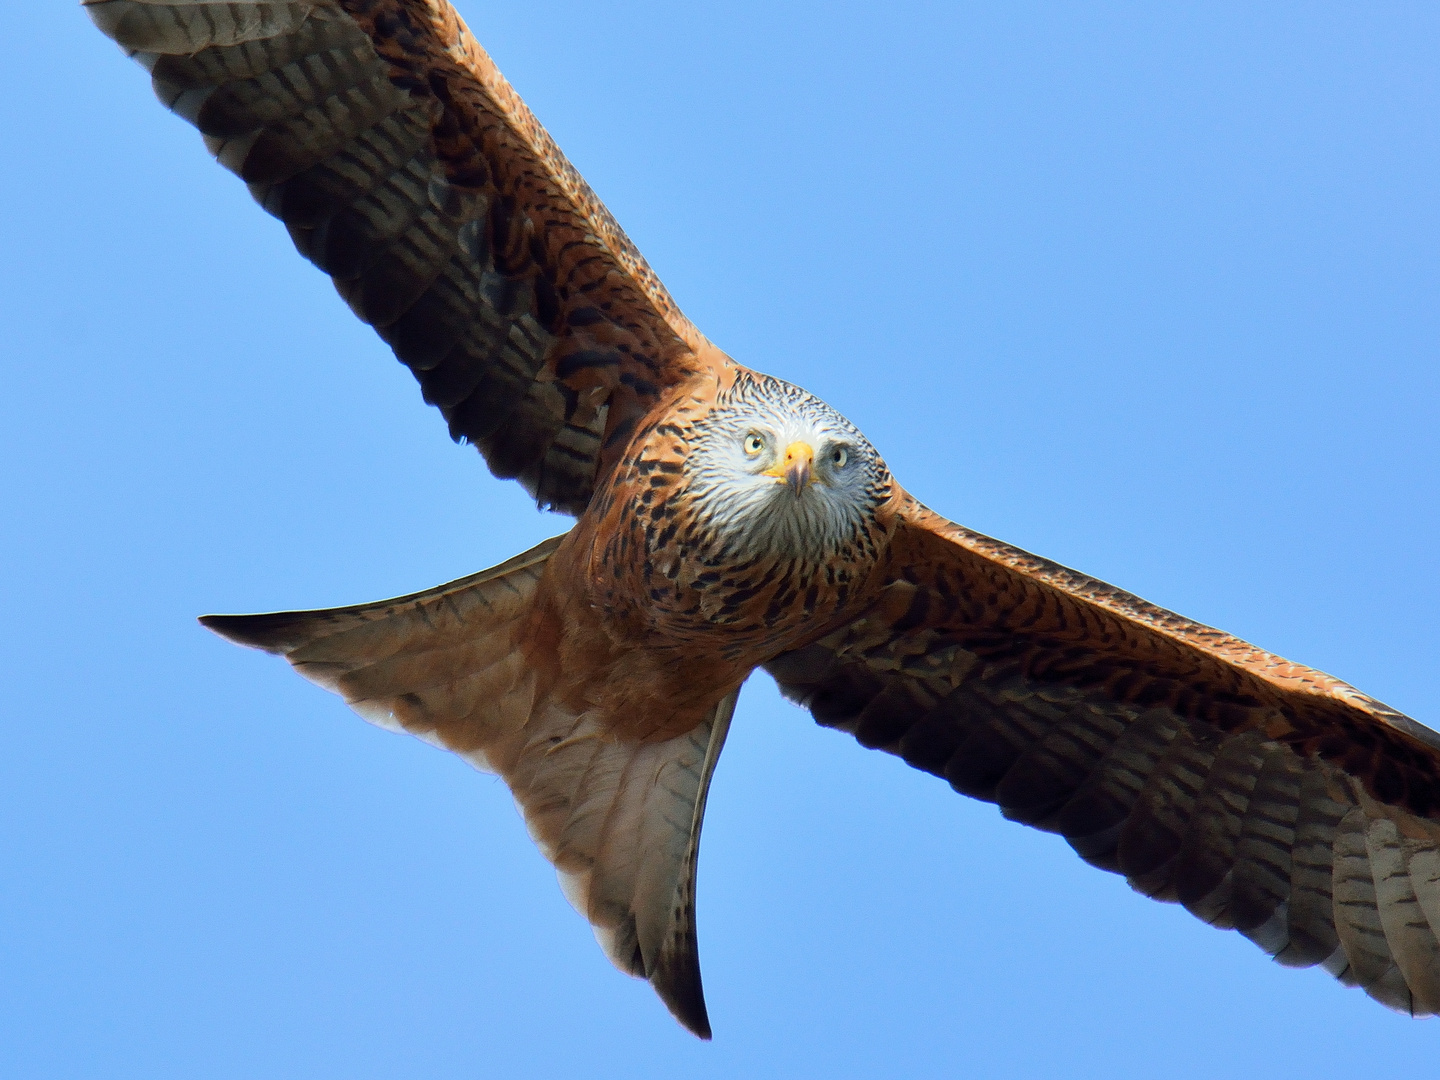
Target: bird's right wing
<point>1260,794</point>
<point>407,168</point>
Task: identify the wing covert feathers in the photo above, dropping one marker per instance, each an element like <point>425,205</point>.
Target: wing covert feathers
<point>619,819</point>
<point>1263,796</point>
<point>406,167</point>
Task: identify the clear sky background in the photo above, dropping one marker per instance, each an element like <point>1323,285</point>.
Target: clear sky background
<point>1150,289</point>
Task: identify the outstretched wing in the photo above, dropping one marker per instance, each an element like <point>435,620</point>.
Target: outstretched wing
<point>405,167</point>
<point>1262,795</point>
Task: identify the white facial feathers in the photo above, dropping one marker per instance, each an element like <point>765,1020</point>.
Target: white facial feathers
<point>776,471</point>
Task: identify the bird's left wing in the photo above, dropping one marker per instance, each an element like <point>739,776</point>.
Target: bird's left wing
<point>407,168</point>
<point>1262,795</point>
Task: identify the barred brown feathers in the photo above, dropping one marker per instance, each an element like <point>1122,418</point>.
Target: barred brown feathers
<point>406,168</point>
<point>1263,796</point>
<point>728,521</point>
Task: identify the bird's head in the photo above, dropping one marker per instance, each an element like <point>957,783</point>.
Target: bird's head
<point>775,471</point>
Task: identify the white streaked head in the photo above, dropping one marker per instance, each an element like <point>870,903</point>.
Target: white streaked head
<point>776,471</point>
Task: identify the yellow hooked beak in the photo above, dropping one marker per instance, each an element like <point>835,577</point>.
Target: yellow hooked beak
<point>797,468</point>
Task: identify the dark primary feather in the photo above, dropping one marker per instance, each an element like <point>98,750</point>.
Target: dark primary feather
<point>1263,796</point>
<point>406,168</point>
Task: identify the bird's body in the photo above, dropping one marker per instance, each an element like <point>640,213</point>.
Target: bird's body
<point>728,521</point>
<point>664,597</point>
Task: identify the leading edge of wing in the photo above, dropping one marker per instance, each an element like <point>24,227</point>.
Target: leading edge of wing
<point>1295,683</point>
<point>1276,670</point>
<point>462,45</point>
<point>1262,795</point>
<point>407,168</point>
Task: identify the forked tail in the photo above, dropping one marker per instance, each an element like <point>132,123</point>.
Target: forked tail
<point>620,820</point>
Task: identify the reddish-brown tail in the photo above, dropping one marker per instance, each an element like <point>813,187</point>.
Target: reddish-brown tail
<point>620,820</point>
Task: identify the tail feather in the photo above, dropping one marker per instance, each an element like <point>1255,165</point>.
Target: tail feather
<point>367,632</point>
<point>619,819</point>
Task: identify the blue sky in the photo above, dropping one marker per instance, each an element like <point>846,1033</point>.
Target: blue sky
<point>1147,289</point>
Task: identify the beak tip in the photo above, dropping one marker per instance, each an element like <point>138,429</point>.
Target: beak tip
<point>797,471</point>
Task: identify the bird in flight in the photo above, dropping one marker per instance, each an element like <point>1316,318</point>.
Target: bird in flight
<point>728,521</point>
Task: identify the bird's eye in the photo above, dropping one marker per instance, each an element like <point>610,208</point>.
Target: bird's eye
<point>839,456</point>
<point>754,443</point>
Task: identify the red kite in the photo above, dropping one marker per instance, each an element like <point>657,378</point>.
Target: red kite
<point>725,521</point>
